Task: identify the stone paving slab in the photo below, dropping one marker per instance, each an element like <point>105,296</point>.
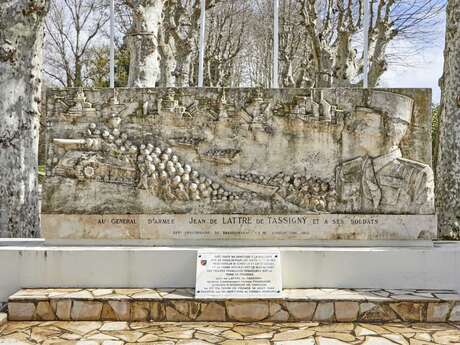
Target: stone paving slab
<point>324,305</point>
<point>226,333</point>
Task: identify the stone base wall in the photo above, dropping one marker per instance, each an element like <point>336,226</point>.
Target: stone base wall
<point>326,305</point>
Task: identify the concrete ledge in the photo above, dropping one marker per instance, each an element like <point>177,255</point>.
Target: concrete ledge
<point>302,267</point>
<point>172,305</point>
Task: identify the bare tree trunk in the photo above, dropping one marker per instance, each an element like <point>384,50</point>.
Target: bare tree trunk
<point>143,42</point>
<point>184,61</point>
<point>448,167</point>
<point>21,40</point>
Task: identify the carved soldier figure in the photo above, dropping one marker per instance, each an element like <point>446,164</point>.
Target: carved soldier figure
<point>379,180</point>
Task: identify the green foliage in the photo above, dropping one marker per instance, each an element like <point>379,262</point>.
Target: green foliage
<point>41,173</point>
<point>98,65</point>
<point>122,58</point>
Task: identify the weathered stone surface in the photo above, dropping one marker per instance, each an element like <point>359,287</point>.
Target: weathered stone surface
<point>21,311</point>
<point>251,329</point>
<point>446,337</point>
<point>396,338</point>
<point>157,311</point>
<point>172,314</point>
<point>140,311</point>
<point>329,341</point>
<point>86,310</point>
<point>136,148</point>
<point>121,310</point>
<point>80,328</point>
<point>212,312</point>
<point>247,311</point>
<point>297,305</point>
<point>409,311</point>
<point>324,312</point>
<point>376,312</point>
<point>363,331</point>
<point>455,313</point>
<point>377,341</point>
<point>62,309</point>
<point>308,341</point>
<point>115,326</point>
<point>301,310</point>
<point>346,311</point>
<point>108,314</point>
<point>174,226</point>
<point>203,333</point>
<point>247,342</point>
<point>44,312</point>
<point>437,312</point>
<point>279,315</point>
<point>293,335</point>
<point>339,336</point>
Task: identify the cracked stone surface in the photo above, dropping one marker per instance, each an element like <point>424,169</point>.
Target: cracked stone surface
<point>226,333</point>
<point>176,305</point>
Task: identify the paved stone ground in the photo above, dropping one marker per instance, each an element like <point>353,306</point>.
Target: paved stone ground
<point>167,333</point>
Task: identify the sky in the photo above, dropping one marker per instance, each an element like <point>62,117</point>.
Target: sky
<point>419,70</point>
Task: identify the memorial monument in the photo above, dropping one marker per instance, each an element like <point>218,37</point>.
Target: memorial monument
<point>209,165</point>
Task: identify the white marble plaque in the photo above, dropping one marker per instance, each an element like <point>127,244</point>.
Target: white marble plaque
<point>238,273</point>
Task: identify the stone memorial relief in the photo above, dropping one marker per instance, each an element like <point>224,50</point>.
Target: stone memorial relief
<point>238,151</point>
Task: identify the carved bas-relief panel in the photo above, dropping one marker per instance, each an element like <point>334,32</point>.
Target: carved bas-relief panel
<point>248,152</point>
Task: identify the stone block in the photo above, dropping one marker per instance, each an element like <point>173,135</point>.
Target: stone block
<point>247,311</point>
<point>44,312</point>
<point>372,312</point>
<point>121,310</point>
<point>277,313</point>
<point>173,315</point>
<point>324,312</point>
<point>140,311</point>
<point>301,311</point>
<point>455,313</point>
<point>62,309</point>
<point>108,314</point>
<point>212,312</point>
<point>21,311</point>
<point>157,311</point>
<point>409,311</point>
<point>437,312</point>
<point>280,316</point>
<point>187,310</point>
<point>86,310</point>
<point>346,311</point>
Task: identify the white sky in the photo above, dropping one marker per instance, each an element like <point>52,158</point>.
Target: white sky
<point>421,70</point>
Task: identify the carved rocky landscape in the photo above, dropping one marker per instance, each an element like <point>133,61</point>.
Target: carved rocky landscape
<point>241,151</point>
